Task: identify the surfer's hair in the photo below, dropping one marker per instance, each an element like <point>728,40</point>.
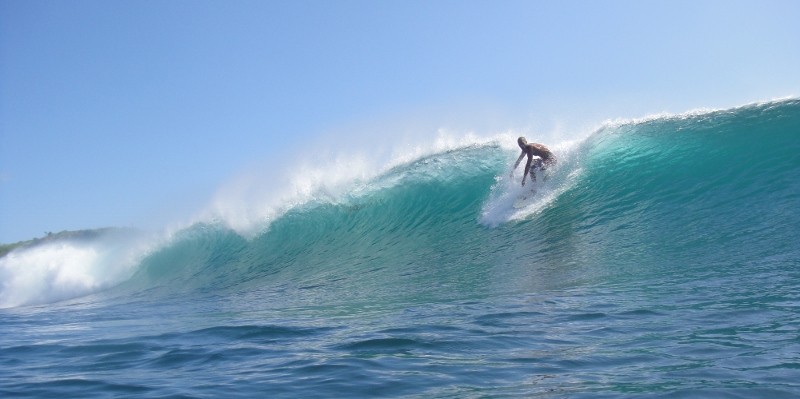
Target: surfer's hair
<point>522,140</point>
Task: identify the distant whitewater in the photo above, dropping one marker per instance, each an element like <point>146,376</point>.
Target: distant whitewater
<point>660,257</point>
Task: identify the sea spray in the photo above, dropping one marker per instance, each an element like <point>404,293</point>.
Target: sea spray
<point>251,202</point>
<point>60,269</point>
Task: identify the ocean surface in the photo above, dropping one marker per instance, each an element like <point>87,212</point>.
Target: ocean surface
<point>659,259</point>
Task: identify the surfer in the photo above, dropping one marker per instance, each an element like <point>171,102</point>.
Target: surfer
<point>545,160</point>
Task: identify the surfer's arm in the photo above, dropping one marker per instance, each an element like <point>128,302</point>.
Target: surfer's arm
<point>527,169</point>
<point>517,163</point>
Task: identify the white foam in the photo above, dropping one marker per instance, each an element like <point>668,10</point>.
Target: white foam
<point>62,270</point>
<point>692,113</point>
<point>504,200</point>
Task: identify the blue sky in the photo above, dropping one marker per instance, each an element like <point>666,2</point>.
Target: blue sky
<point>130,113</point>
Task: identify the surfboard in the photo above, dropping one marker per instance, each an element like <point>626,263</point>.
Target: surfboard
<point>524,199</point>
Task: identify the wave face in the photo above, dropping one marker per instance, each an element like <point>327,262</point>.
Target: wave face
<point>667,247</point>
<point>701,190</point>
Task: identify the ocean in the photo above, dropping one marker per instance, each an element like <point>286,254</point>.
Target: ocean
<point>660,258</point>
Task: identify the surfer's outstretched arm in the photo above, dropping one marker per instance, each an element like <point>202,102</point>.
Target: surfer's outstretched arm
<point>518,161</point>
<point>527,169</point>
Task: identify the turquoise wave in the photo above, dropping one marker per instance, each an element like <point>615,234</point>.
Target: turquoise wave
<point>656,197</point>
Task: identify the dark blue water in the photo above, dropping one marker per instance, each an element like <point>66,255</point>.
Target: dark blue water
<point>660,258</point>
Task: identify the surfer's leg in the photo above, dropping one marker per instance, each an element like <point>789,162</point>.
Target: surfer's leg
<point>537,164</point>
<point>543,166</point>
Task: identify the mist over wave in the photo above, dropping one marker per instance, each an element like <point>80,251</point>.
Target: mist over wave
<point>250,202</point>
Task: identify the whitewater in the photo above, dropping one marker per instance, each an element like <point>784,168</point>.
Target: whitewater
<point>659,258</point>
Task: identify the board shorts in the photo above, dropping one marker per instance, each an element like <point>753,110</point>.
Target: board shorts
<point>541,164</point>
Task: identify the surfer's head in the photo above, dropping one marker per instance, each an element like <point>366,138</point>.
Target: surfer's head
<point>522,142</point>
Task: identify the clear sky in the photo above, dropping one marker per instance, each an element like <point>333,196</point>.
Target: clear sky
<point>129,113</point>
